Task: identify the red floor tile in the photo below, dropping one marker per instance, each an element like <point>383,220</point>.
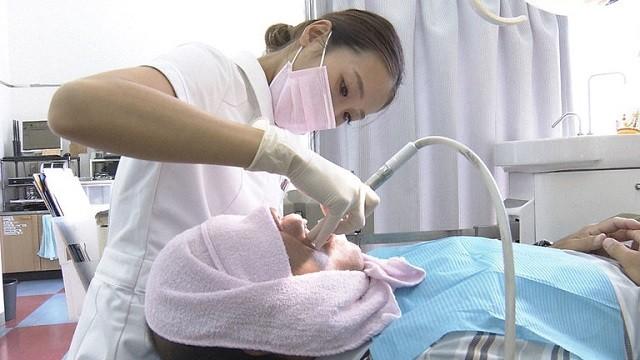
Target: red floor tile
<point>48,342</point>
<point>25,305</point>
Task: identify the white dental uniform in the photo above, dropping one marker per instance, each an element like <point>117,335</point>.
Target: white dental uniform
<point>153,201</point>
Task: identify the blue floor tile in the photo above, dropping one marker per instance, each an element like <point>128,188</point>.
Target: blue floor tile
<point>4,330</point>
<point>39,287</point>
<point>52,311</point>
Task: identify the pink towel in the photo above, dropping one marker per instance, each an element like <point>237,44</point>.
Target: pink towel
<point>228,283</point>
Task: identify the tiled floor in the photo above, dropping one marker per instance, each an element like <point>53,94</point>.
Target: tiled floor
<point>41,329</point>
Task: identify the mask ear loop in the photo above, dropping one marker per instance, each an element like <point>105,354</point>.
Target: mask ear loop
<point>296,56</point>
<point>325,48</point>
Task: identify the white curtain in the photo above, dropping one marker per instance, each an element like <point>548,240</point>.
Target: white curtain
<point>465,79</point>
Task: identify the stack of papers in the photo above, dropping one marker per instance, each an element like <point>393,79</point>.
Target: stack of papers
<point>62,193</point>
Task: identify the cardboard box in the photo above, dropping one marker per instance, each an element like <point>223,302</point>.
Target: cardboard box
<point>76,149</point>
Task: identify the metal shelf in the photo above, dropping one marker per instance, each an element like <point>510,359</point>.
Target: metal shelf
<point>42,158</point>
<point>17,197</point>
<point>26,201</point>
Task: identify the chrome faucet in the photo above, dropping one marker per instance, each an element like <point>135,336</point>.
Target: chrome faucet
<point>624,78</point>
<point>567,114</point>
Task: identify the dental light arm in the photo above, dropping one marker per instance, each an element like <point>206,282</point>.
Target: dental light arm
<point>397,160</point>
<point>484,12</point>
<point>558,7</point>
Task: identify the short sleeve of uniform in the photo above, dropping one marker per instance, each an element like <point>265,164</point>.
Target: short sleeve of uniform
<point>199,74</point>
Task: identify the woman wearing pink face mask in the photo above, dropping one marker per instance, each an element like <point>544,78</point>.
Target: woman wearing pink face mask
<point>187,126</point>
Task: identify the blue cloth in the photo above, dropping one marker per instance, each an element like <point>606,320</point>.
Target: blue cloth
<point>47,241</point>
<point>560,299</point>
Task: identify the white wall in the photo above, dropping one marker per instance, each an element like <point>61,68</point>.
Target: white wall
<point>4,105</point>
<point>57,41</point>
<point>606,40</point>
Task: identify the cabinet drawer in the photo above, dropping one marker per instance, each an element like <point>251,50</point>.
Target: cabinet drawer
<point>20,243</point>
<point>567,201</point>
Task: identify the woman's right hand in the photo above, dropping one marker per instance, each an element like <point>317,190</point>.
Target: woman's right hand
<point>345,198</point>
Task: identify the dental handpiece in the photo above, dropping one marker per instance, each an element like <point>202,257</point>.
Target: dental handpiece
<point>394,163</point>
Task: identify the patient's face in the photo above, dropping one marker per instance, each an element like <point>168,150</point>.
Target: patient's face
<point>337,254</point>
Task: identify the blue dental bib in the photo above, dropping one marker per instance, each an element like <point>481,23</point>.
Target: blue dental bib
<point>560,299</point>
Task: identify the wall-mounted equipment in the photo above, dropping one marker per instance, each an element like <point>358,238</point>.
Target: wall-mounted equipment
<point>37,138</point>
<point>104,168</point>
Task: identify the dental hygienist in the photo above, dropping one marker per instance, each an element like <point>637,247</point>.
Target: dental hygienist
<point>184,124</point>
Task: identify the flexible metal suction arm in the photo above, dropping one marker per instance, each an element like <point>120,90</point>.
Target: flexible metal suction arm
<point>484,12</point>
<point>397,160</point>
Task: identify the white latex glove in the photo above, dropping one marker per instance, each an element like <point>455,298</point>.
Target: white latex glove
<point>347,200</point>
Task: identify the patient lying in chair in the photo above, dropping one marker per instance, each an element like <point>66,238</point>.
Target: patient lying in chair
<point>248,285</point>
<point>237,287</point>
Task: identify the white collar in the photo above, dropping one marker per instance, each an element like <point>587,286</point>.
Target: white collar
<point>252,69</point>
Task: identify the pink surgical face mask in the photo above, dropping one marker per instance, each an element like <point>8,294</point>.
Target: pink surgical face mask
<point>302,98</point>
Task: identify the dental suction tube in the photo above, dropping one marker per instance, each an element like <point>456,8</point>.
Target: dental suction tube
<point>397,160</point>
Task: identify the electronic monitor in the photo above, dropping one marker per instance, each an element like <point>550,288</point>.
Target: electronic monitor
<point>36,137</point>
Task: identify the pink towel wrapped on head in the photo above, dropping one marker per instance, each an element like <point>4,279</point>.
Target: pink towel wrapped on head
<point>228,283</point>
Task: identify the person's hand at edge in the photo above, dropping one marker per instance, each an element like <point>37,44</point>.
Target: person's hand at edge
<point>627,256</point>
<point>608,238</point>
<point>590,237</point>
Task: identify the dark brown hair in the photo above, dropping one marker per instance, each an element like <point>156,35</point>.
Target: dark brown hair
<point>355,29</point>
